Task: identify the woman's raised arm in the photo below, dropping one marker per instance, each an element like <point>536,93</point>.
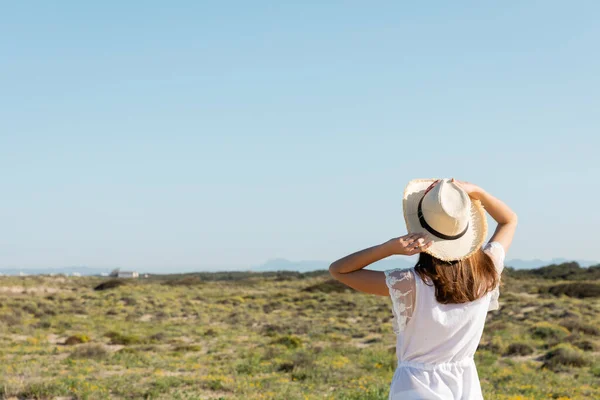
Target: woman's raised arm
<point>349,270</point>
<point>498,210</point>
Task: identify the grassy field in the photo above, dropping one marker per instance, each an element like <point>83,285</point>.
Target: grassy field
<point>273,336</point>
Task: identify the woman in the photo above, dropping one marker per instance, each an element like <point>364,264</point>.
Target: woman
<point>440,304</point>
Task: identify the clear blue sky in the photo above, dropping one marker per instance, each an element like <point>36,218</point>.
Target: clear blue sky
<point>222,134</point>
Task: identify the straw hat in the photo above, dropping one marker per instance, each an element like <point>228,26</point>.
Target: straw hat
<point>456,224</point>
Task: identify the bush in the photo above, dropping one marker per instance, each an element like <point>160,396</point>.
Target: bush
<point>545,330</point>
<point>188,347</point>
<point>304,359</point>
<point>493,346</point>
<point>42,390</point>
<point>30,308</point>
<point>44,324</point>
<point>564,355</point>
<point>127,350</point>
<point>579,290</point>
<point>77,339</point>
<point>518,349</point>
<point>289,341</point>
<point>111,284</point>
<point>249,365</point>
<point>329,286</point>
<point>273,330</point>
<point>44,311</point>
<point>119,338</point>
<point>586,345</point>
<point>566,271</point>
<point>129,301</point>
<point>186,281</point>
<point>95,351</point>
<point>157,337</point>
<point>11,319</point>
<point>575,326</point>
<point>210,332</point>
<point>300,360</point>
<point>285,367</point>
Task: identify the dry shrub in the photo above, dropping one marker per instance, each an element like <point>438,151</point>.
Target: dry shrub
<point>119,338</point>
<point>304,359</point>
<point>186,281</point>
<point>45,310</point>
<point>77,339</point>
<point>564,355</point>
<point>93,351</point>
<point>129,301</point>
<point>329,286</point>
<point>579,290</point>
<point>518,349</point>
<point>273,330</point>
<point>30,308</point>
<point>13,319</point>
<point>157,337</point>
<point>285,367</point>
<point>44,324</point>
<point>268,308</point>
<point>301,361</point>
<point>111,284</point>
<point>575,326</point>
<point>491,347</point>
<point>188,348</point>
<point>210,332</point>
<point>586,345</point>
<point>128,350</point>
<point>289,341</point>
<point>545,331</point>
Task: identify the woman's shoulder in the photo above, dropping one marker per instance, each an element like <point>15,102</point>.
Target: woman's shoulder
<point>398,274</point>
<point>400,281</point>
<point>494,246</point>
<point>496,252</point>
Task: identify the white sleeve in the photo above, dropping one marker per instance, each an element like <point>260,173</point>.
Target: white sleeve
<point>401,285</point>
<point>497,253</point>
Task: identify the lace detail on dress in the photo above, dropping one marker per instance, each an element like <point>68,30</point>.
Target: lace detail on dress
<point>401,285</point>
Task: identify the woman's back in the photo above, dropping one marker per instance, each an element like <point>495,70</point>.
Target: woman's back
<point>440,305</point>
<point>436,342</point>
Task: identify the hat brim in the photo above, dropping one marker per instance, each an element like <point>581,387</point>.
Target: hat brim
<point>445,250</point>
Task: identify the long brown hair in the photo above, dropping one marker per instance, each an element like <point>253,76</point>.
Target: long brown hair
<point>458,281</point>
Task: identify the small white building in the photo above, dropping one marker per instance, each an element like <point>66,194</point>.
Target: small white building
<point>128,274</point>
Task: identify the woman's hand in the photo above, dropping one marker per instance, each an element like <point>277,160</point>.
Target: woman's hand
<point>473,190</point>
<point>409,245</point>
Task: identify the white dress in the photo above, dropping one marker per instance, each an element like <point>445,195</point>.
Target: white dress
<point>435,343</point>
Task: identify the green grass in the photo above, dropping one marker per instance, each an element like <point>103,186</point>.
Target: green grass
<point>271,336</point>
